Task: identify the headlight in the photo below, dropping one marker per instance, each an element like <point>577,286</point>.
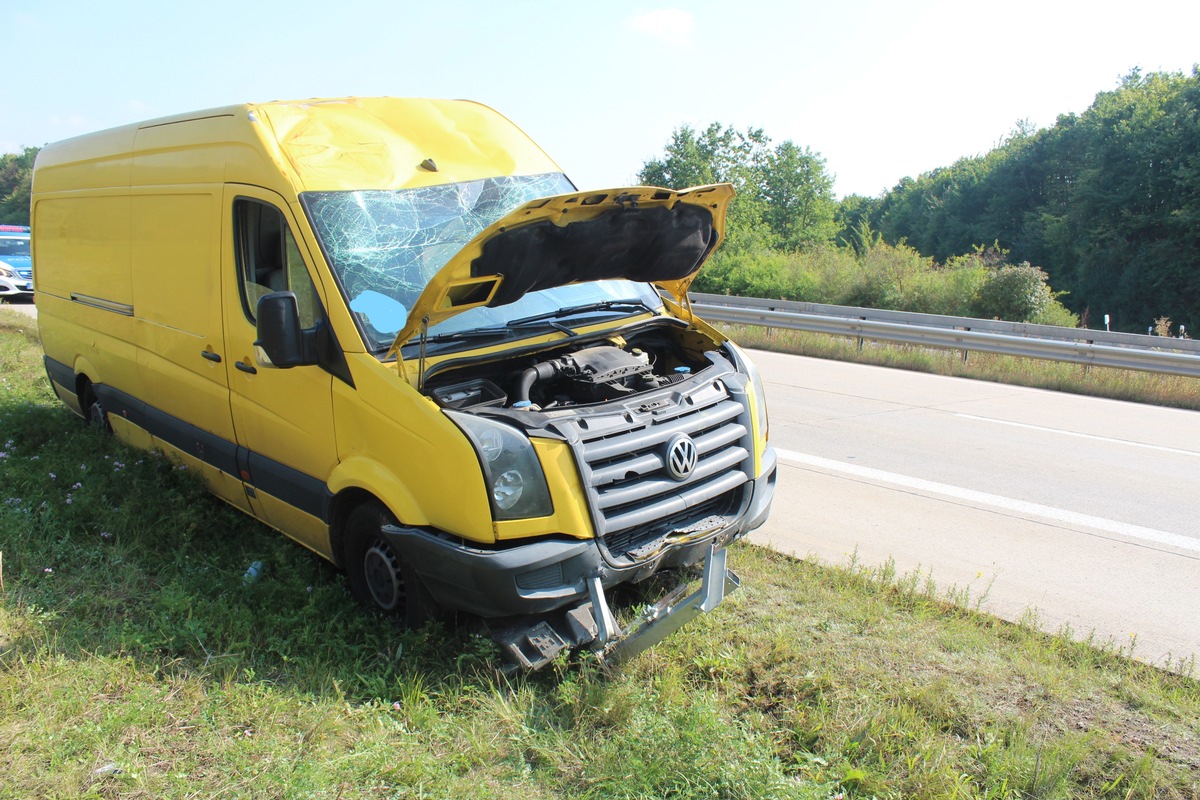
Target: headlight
<point>7,272</point>
<point>511,469</point>
<point>746,365</point>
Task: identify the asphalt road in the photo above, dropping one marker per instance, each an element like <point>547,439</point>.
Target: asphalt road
<point>1082,510</point>
<point>1086,511</point>
<point>24,308</point>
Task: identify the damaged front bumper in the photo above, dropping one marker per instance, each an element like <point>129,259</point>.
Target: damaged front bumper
<point>543,597</point>
<point>532,644</point>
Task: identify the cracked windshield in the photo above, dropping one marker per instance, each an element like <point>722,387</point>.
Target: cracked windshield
<point>386,245</point>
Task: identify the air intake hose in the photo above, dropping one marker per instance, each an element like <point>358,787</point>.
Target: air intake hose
<point>544,371</point>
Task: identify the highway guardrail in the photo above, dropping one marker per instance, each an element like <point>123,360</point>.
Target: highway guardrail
<point>1135,351</point>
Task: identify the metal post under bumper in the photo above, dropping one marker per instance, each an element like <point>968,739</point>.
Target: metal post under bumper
<point>607,628</point>
<point>667,617</point>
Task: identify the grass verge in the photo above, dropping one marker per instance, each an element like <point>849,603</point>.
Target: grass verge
<point>1118,384</point>
<point>135,662</point>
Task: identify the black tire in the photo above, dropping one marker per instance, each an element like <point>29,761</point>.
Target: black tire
<point>94,415</point>
<point>379,576</point>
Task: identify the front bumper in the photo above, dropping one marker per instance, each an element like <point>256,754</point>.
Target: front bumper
<point>15,287</point>
<point>553,590</point>
<point>549,574</point>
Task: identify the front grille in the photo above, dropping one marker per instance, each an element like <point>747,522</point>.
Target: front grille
<point>635,543</point>
<point>622,458</point>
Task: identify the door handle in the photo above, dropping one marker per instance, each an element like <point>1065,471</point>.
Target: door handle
<point>244,367</point>
<point>211,356</point>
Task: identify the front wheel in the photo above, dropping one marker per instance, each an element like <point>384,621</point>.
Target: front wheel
<point>379,575</point>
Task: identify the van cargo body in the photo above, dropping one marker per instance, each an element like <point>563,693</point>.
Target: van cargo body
<point>394,331</point>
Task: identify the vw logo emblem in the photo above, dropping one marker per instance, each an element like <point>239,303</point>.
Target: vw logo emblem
<point>681,457</point>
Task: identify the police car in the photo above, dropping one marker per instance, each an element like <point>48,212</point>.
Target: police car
<point>16,265</point>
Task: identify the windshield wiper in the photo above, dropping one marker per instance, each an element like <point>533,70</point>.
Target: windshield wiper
<point>496,331</point>
<point>547,319</point>
<point>466,333</point>
<point>587,308</point>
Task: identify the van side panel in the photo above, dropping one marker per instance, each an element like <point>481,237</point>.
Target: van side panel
<point>96,161</point>
<point>128,237</point>
<point>185,153</point>
<point>83,248</point>
<point>176,297</point>
<point>176,282</point>
<point>84,288</point>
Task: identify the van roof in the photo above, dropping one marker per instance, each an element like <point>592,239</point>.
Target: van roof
<point>326,144</point>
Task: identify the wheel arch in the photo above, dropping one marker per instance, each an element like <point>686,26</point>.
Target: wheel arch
<point>86,376</point>
<point>344,502</point>
<point>357,480</point>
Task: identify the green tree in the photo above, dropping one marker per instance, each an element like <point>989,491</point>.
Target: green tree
<point>785,195</point>
<point>853,219</point>
<point>1134,248</point>
<point>719,155</point>
<point>16,180</point>
<point>798,197</point>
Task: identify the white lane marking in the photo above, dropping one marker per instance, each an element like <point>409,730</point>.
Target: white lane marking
<point>1158,447</point>
<point>994,500</point>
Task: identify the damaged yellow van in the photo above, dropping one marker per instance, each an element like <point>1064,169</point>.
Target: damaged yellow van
<point>394,331</point>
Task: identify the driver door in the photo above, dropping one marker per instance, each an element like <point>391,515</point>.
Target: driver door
<point>283,418</point>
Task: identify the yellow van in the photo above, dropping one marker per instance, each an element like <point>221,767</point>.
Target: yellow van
<point>394,331</point>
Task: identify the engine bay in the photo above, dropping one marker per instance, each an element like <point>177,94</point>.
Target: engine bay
<point>576,371</point>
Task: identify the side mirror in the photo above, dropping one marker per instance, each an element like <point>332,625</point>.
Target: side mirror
<point>279,333</point>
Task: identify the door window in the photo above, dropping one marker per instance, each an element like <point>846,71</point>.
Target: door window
<point>268,260</point>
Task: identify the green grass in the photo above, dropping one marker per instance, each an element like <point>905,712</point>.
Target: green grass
<point>134,662</point>
<point>1118,384</point>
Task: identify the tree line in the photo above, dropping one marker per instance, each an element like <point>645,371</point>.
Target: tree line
<point>1107,202</point>
<point>1103,205</point>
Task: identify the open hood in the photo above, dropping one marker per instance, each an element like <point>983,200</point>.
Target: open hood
<point>640,233</point>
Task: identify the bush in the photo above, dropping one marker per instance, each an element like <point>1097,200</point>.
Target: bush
<point>1014,293</point>
<point>895,277</point>
<point>1057,314</point>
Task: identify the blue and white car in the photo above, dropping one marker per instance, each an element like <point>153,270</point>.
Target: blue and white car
<point>16,265</point>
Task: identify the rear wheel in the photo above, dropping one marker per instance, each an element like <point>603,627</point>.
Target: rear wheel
<point>94,414</point>
<point>379,575</point>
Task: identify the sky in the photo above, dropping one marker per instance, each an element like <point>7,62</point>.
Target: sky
<point>881,89</point>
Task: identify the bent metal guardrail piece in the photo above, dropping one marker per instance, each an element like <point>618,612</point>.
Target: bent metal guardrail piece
<point>669,615</point>
<point>1073,345</point>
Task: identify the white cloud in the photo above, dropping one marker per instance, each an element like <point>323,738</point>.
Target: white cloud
<point>672,26</point>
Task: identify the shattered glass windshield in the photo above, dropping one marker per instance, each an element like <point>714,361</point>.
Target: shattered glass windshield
<point>385,246</point>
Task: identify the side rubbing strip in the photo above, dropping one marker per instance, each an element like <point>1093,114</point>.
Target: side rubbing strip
<point>291,486</point>
<point>207,447</point>
<point>303,491</point>
<point>60,373</point>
